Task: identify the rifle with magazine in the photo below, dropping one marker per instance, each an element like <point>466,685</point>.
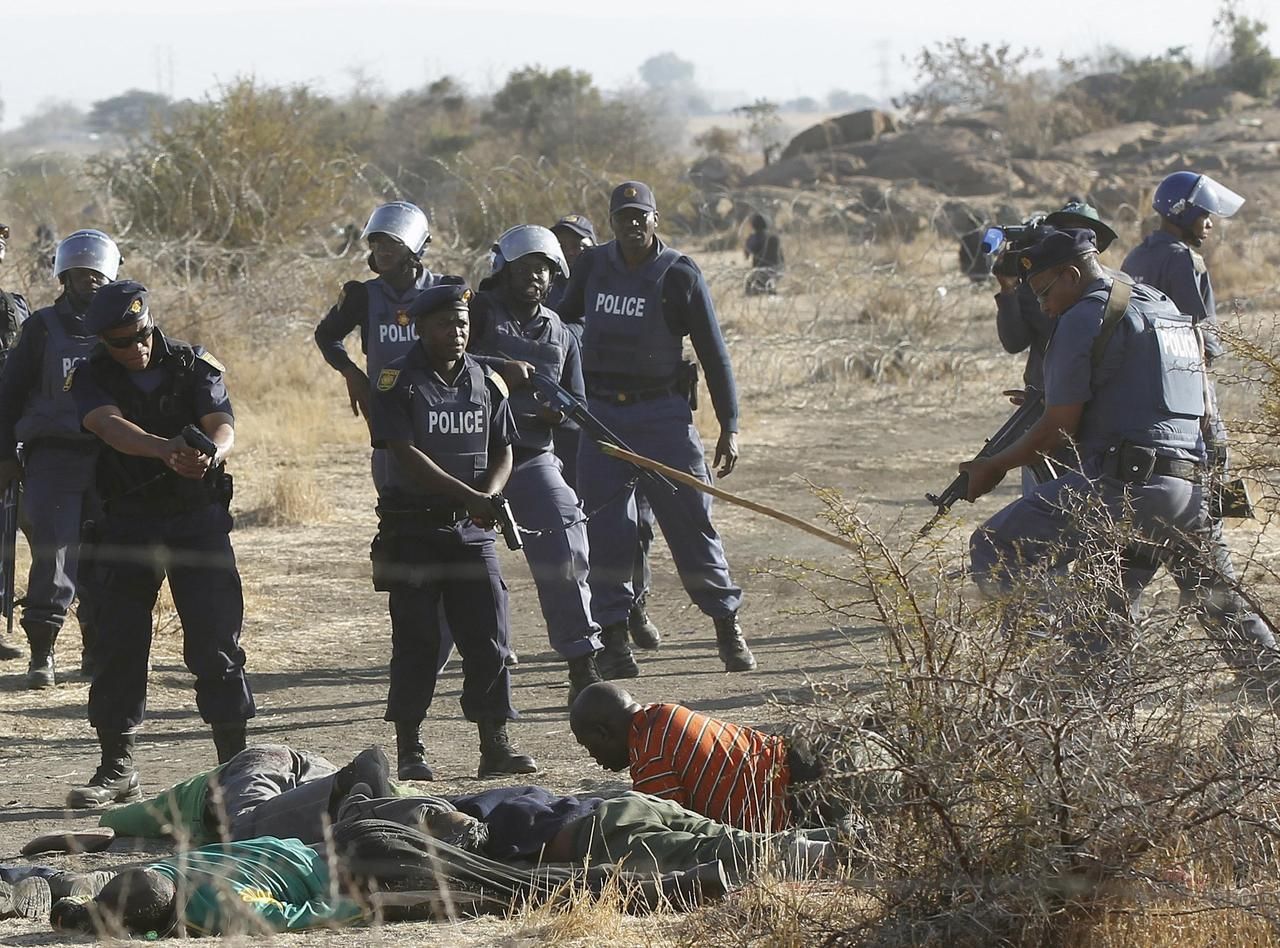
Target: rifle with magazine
<point>1018,424</point>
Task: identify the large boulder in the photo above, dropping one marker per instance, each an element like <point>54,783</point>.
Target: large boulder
<point>1108,142</point>
<point>805,171</point>
<point>716,173</point>
<point>1054,179</point>
<point>849,129</point>
<point>948,158</point>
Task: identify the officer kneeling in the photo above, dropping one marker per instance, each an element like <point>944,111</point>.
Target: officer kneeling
<point>448,429</point>
<point>1124,378</point>
<point>165,514</point>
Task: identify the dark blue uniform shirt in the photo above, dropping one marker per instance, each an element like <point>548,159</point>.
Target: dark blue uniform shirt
<point>688,310</point>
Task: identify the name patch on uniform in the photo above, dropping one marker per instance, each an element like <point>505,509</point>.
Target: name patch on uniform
<point>617,305</point>
<point>455,422</point>
<point>387,379</point>
<point>66,382</point>
<point>211,360</point>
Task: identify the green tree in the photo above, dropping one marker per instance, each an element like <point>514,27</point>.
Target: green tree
<point>543,109</point>
<point>764,127</point>
<point>1250,67</point>
<point>665,71</point>
<point>130,113</point>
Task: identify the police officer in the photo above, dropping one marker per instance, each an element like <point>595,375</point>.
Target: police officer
<point>1020,322</point>
<point>576,234</point>
<point>1134,408</point>
<point>447,429</point>
<point>1168,260</point>
<point>509,321</point>
<point>13,312</point>
<point>13,307</point>
<point>37,410</point>
<point>165,515</point>
<point>637,299</point>
<point>398,234</point>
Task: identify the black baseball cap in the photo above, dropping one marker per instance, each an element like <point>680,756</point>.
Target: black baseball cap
<point>632,194</point>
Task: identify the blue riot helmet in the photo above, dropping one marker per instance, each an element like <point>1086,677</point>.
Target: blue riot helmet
<point>524,239</point>
<point>404,221</point>
<point>88,250</point>
<point>1185,196</point>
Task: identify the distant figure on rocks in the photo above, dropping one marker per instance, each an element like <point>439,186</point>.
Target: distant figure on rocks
<point>764,249</point>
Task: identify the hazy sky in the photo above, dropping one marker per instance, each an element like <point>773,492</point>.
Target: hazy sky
<point>84,50</point>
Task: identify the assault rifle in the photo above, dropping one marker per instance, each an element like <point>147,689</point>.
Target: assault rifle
<point>1019,423</point>
<point>551,394</point>
<point>8,553</point>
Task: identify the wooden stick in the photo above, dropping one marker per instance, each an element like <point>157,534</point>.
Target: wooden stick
<point>684,477</point>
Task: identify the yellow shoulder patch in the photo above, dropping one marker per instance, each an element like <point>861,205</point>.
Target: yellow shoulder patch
<point>498,382</point>
<point>387,379</point>
<point>213,362</point>
<point>66,383</point>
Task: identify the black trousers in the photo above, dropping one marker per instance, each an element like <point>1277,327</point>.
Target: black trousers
<point>130,558</point>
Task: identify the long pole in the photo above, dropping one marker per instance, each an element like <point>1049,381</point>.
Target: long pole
<point>683,477</point>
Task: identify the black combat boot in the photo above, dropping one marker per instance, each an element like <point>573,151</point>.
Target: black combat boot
<point>733,647</point>
<point>229,739</point>
<point>115,780</point>
<point>644,633</point>
<point>615,659</point>
<point>497,756</point>
<point>411,756</point>
<point>40,669</point>
<point>582,672</point>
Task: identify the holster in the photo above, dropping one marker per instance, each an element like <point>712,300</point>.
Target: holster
<point>1130,463</point>
<point>687,382</point>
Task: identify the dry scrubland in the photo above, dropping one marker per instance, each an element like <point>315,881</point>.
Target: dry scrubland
<point>1039,802</point>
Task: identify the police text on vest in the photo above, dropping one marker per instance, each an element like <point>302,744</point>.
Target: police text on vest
<point>616,305</point>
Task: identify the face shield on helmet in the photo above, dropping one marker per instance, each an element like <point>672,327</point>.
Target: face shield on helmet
<point>1208,195</point>
<point>524,239</point>
<point>88,250</point>
<point>403,221</point>
<point>1184,196</point>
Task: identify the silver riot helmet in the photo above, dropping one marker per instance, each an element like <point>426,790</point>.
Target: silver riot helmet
<point>88,250</point>
<point>404,221</point>
<point>524,239</point>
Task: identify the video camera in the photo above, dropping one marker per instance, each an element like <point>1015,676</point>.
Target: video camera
<point>1011,240</point>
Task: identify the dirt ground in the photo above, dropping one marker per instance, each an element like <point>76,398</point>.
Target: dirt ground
<point>317,635</point>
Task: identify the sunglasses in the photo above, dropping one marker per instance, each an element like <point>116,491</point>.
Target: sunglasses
<point>1044,293</point>
<point>124,342</point>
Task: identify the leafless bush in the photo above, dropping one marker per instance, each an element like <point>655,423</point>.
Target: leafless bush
<point>1054,765</point>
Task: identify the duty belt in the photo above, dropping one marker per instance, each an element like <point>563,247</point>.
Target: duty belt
<point>419,518</point>
<point>1176,467</point>
<point>615,397</point>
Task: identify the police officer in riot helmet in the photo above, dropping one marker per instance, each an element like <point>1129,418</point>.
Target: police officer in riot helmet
<point>13,312</point>
<point>1169,260</point>
<point>398,234</point>
<point>1125,380</point>
<point>510,321</point>
<point>13,307</point>
<point>637,299</point>
<point>448,429</point>
<point>58,456</point>
<point>161,409</point>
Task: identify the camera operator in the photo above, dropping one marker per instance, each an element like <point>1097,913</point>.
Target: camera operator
<point>1020,322</point>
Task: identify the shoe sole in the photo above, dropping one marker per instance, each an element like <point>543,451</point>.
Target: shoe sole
<point>86,841</point>
<point>483,774</point>
<point>40,683</point>
<point>32,898</point>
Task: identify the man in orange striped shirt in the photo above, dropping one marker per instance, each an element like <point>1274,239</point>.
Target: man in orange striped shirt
<point>730,773</point>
